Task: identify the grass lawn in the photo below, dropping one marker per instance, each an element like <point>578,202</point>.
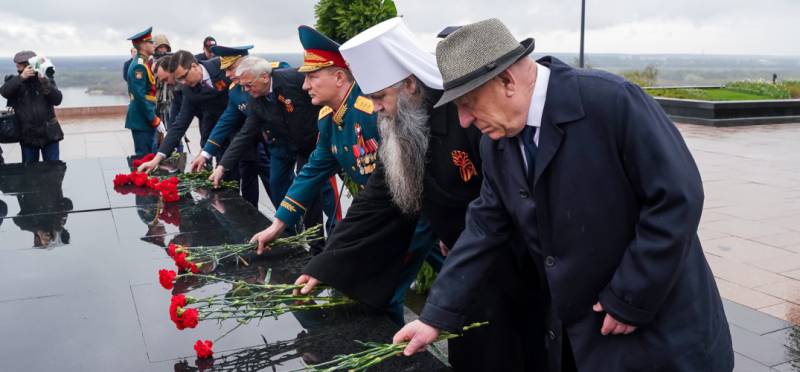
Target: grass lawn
<point>712,94</point>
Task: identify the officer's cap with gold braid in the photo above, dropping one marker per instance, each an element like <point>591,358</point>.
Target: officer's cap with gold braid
<point>320,51</point>
<point>229,55</point>
<point>145,35</point>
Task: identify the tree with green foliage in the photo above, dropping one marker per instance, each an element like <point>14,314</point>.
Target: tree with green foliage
<point>340,20</point>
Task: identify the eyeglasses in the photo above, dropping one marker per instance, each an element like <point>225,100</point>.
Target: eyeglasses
<point>248,84</point>
<point>182,78</point>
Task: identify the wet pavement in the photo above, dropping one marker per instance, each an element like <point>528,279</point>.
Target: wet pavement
<point>80,292</point>
<point>750,228</point>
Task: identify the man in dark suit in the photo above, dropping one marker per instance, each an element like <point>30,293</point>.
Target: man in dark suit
<point>586,170</point>
<point>204,91</point>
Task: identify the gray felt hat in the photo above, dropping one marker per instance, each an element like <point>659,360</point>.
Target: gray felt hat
<point>475,53</point>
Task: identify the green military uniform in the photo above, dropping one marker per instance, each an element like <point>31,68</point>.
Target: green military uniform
<point>348,141</point>
<point>142,92</point>
<point>141,118</point>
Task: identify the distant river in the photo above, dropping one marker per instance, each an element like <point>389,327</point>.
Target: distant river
<point>77,97</point>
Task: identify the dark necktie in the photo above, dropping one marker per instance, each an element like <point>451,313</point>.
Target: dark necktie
<point>530,148</point>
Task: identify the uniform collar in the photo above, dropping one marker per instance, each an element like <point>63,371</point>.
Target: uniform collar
<point>338,114</point>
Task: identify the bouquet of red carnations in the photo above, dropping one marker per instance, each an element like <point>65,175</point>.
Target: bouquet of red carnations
<point>167,188</point>
<point>243,302</point>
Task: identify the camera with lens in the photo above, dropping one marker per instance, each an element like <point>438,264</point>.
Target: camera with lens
<point>42,66</point>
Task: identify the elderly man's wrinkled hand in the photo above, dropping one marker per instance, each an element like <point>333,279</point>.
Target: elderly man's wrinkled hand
<point>198,164</point>
<point>418,334</point>
<point>216,175</point>
<point>149,165</point>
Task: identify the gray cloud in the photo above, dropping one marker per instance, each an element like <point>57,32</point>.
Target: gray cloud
<point>623,26</point>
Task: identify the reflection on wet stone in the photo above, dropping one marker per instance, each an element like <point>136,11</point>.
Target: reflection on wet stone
<point>95,298</point>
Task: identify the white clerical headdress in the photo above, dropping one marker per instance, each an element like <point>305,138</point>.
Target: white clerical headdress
<point>387,53</point>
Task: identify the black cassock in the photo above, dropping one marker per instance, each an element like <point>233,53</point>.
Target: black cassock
<point>364,257</point>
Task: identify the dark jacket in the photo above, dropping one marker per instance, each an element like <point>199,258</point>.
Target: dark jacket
<point>366,255</point>
<point>373,220</point>
<point>207,103</point>
<point>33,101</point>
<point>285,115</point>
<point>611,215</point>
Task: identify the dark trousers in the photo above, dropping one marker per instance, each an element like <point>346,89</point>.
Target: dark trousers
<point>143,141</point>
<point>30,154</point>
<point>282,160</point>
<point>207,122</point>
<point>250,171</point>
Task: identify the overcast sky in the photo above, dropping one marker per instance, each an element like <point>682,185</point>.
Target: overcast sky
<point>100,27</point>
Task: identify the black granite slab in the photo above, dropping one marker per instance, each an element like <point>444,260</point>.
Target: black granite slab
<point>81,293</point>
<point>52,187</point>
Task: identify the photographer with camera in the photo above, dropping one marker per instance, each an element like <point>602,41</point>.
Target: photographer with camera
<point>33,93</point>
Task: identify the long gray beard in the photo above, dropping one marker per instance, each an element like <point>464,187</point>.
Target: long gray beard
<point>404,143</point>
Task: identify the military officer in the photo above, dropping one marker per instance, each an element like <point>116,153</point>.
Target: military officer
<point>348,141</point>
<point>254,162</point>
<point>141,118</point>
<point>348,135</point>
<point>282,111</point>
<point>204,91</point>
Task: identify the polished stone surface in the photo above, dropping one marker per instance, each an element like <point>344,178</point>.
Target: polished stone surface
<point>80,289</point>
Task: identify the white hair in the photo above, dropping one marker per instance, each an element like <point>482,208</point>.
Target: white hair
<point>254,65</point>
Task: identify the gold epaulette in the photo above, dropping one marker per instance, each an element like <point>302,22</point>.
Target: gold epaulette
<point>233,85</point>
<point>364,105</point>
<point>325,111</point>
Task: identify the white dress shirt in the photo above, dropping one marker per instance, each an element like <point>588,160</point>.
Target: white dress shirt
<point>536,109</point>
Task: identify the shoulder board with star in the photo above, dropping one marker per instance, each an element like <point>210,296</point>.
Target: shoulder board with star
<point>275,64</point>
<point>233,85</point>
<point>325,111</point>
<point>364,105</point>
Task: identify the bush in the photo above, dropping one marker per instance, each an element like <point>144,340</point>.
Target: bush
<point>697,94</point>
<point>644,78</point>
<point>340,20</point>
<point>760,88</point>
<point>793,86</point>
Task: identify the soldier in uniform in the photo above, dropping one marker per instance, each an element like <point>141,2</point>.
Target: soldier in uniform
<point>348,141</point>
<point>281,111</point>
<point>204,92</point>
<point>141,118</point>
<point>254,163</point>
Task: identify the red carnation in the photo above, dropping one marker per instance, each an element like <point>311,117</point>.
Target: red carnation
<point>148,157</point>
<point>173,180</point>
<point>152,183</point>
<point>139,179</point>
<point>172,249</point>
<point>167,278</point>
<point>181,262</point>
<point>121,180</point>
<point>203,349</point>
<point>195,268</point>
<point>189,318</point>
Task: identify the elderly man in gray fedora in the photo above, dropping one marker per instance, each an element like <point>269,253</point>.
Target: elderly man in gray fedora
<point>586,170</point>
